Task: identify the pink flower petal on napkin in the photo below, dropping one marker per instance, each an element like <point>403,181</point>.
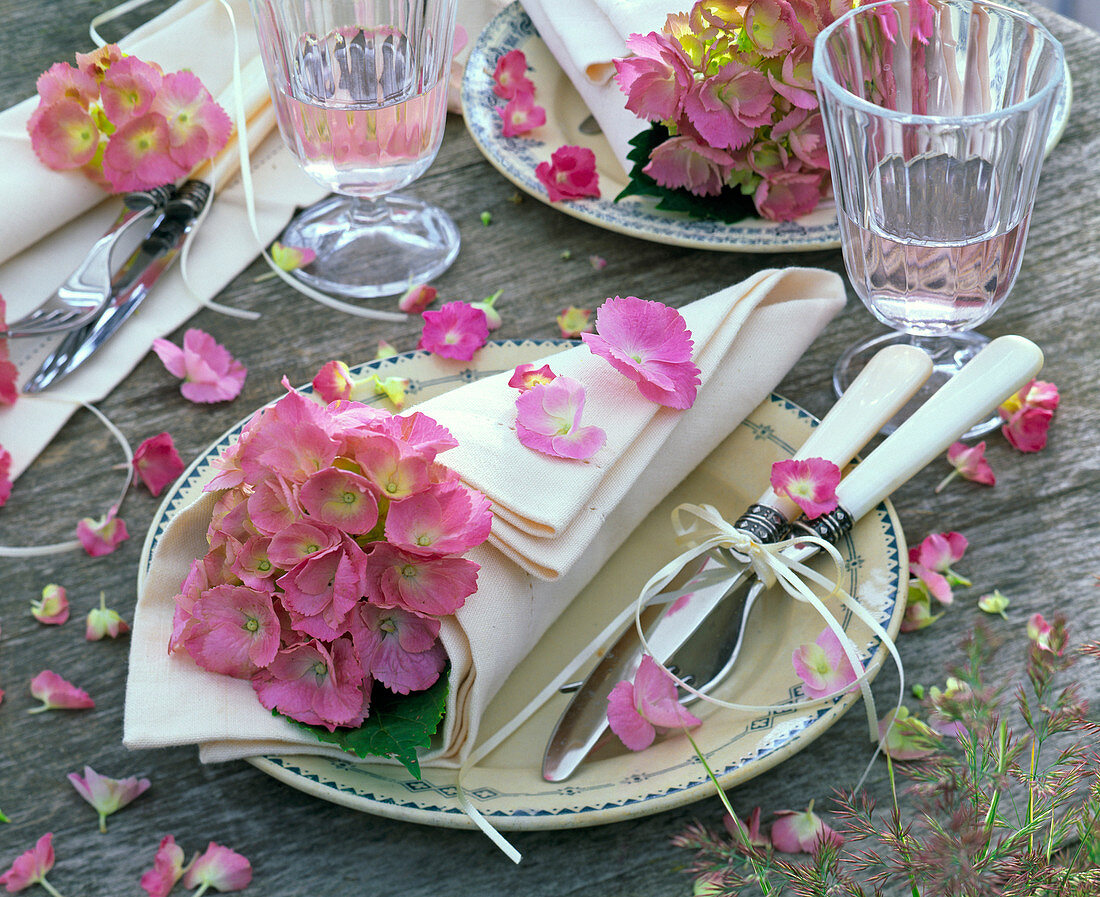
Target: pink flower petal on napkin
<point>548,420</point>
<point>210,373</point>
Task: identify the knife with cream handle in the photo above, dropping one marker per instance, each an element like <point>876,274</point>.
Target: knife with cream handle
<point>888,381</point>
<point>999,370</point>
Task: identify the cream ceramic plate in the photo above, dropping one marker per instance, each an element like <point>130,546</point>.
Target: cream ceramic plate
<point>517,157</point>
<point>507,787</point>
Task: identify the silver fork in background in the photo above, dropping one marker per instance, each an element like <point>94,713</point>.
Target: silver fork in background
<point>88,288</point>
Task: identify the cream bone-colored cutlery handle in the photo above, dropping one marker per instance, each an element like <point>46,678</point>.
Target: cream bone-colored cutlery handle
<point>999,370</point>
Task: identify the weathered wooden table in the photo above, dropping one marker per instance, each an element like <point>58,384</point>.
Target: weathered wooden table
<point>1035,535</point>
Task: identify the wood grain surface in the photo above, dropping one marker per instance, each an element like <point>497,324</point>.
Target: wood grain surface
<point>1035,535</point>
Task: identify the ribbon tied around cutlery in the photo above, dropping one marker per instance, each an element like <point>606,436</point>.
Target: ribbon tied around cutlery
<point>703,529</point>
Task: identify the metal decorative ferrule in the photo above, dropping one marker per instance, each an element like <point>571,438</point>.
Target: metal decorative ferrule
<point>829,527</point>
<point>763,523</point>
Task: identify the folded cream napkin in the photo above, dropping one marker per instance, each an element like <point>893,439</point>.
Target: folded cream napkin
<point>52,218</point>
<point>584,37</point>
<point>555,521</point>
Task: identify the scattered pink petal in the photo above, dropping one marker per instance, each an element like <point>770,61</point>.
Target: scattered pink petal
<point>918,610</point>
<point>548,420</point>
<point>290,258</point>
<point>810,483</point>
<point>570,174</point>
<point>56,693</point>
<point>527,376</point>
<point>9,394</point>
<point>103,622</point>
<point>209,372</point>
<point>824,667</point>
<point>385,350</point>
<point>1027,415</point>
<point>598,262</point>
<point>904,737</point>
<point>510,76</point>
<point>520,115</point>
<point>1043,635</point>
<point>573,321</point>
<point>157,463</point>
<point>805,832</point>
<point>457,330</point>
<point>969,463</point>
<point>219,868</point>
<point>649,343</point>
<point>30,868</point>
<point>5,471</point>
<point>102,535</point>
<point>930,565</point>
<point>105,794</point>
<point>637,709</point>
<point>53,607</point>
<point>167,869</point>
<point>994,603</point>
<point>393,388</point>
<point>749,828</point>
<point>417,298</point>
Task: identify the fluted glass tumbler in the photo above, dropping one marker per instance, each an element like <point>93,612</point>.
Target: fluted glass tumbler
<point>936,116</point>
<point>360,94</point>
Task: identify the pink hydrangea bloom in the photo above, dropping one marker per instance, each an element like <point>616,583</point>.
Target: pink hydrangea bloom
<point>233,630</point>
<point>102,622</point>
<point>771,27</point>
<point>398,648</point>
<point>157,463</point>
<point>802,832</point>
<point>209,372</point>
<point>448,520</point>
<point>510,76</point>
<point>527,376</point>
<point>128,89</point>
<point>684,162</point>
<point>30,868</point>
<point>105,794</point>
<point>63,134</point>
<point>219,868</point>
<point>824,667</point>
<point>637,709</point>
<point>930,565</point>
<point>340,498</point>
<point>456,330</point>
<point>416,299</point>
<point>167,869</point>
<point>53,607</point>
<point>810,483</point>
<point>1027,415</point>
<point>649,343</point>
<point>969,463</point>
<point>655,78</point>
<point>423,585</point>
<point>102,535</point>
<point>197,126</point>
<point>57,693</point>
<point>137,155</point>
<point>520,115</point>
<point>316,684</point>
<point>570,174</point>
<point>548,420</point>
<point>726,108</point>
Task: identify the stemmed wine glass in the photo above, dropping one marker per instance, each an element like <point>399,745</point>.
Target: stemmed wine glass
<point>360,93</point>
<point>936,116</point>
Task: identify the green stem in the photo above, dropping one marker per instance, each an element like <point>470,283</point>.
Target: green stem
<point>758,870</point>
<point>947,479</point>
<point>103,823</point>
<point>202,889</point>
<point>50,889</point>
<point>894,794</point>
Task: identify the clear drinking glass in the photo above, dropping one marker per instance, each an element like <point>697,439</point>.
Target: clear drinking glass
<point>936,116</point>
<point>360,93</point>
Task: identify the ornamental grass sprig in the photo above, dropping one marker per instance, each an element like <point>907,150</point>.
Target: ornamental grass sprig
<point>1007,803</point>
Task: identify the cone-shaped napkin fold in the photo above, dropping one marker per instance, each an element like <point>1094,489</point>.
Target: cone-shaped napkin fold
<point>555,524</point>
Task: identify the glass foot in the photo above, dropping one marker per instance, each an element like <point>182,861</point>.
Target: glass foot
<point>949,353</point>
<point>372,247</point>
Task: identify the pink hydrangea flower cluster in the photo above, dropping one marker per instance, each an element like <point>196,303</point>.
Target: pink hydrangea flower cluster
<point>336,547</point>
<point>734,88</point>
<point>125,123</point>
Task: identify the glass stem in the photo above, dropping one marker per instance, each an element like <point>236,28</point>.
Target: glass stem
<point>368,211</point>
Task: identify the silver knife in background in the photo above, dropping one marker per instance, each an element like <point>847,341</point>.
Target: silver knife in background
<point>130,287</point>
<point>888,381</point>
<point>999,370</point>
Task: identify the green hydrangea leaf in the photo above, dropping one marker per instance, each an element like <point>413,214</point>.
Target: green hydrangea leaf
<point>399,726</point>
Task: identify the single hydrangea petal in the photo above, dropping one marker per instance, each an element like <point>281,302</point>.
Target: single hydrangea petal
<point>57,693</point>
<point>968,462</point>
<point>527,376</point>
<point>103,622</point>
<point>219,868</point>
<point>802,832</point>
<point>105,794</point>
<point>102,535</point>
<point>290,258</point>
<point>510,76</point>
<point>167,869</point>
<point>573,321</point>
<point>30,867</point>
<point>570,174</point>
<point>810,483</point>
<point>824,667</point>
<point>417,298</point>
<point>637,709</point>
<point>210,373</point>
<point>157,463</point>
<point>456,330</point>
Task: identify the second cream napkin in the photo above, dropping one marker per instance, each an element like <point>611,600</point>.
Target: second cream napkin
<point>748,337</point>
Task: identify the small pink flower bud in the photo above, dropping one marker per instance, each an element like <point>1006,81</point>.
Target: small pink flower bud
<point>53,608</point>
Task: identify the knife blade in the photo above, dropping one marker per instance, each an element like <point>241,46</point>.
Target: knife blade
<point>1000,369</point>
<point>150,260</point>
<point>887,382</point>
